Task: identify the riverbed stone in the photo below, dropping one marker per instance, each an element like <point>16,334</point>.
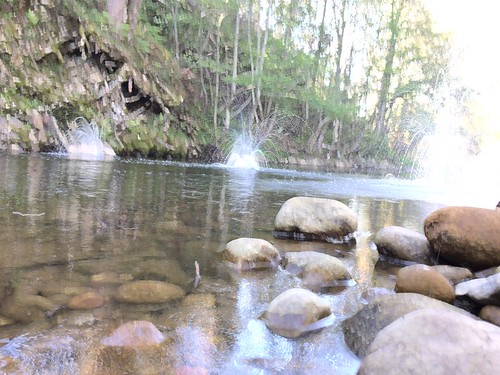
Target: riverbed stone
<point>425,280</point>
<point>319,216</point>
<point>292,313</point>
<point>434,341</point>
<point>109,278</point>
<point>485,291</point>
<point>491,314</point>
<point>134,334</point>
<point>86,301</point>
<point>465,236</point>
<point>317,270</point>
<point>148,291</point>
<point>27,308</point>
<point>251,253</point>
<point>361,328</point>
<point>454,275</point>
<point>403,244</point>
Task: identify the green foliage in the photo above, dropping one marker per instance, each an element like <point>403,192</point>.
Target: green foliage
<point>33,18</point>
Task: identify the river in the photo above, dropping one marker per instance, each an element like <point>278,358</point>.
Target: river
<point>65,220</point>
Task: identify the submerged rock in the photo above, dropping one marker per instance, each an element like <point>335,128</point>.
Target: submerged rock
<point>454,274</point>
<point>251,253</point>
<point>148,291</point>
<point>317,270</point>
<point>296,312</point>
<point>404,244</point>
<point>434,341</point>
<point>465,236</point>
<point>317,216</point>
<point>425,280</point>
<point>134,334</point>
<point>361,328</point>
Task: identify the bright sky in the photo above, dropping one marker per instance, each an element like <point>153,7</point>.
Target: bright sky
<point>474,27</point>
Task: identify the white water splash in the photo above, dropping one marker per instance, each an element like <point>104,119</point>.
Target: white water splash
<point>244,155</point>
<point>85,142</point>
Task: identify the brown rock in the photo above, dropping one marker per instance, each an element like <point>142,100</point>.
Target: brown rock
<point>148,291</point>
<point>465,236</point>
<point>491,314</point>
<point>424,280</point>
<point>454,274</point>
<point>86,301</point>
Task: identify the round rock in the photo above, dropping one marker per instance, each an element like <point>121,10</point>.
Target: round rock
<point>148,291</point>
<point>403,244</point>
<point>296,312</point>
<point>454,274</point>
<point>319,216</point>
<point>434,341</point>
<point>425,280</point>
<point>465,236</point>
<point>251,253</point>
<point>317,270</point>
<point>134,334</point>
<point>86,301</point>
<point>361,328</point>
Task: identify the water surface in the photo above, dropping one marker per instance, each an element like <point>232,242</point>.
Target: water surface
<point>65,220</point>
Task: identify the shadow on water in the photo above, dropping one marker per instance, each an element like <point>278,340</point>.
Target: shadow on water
<point>74,226</point>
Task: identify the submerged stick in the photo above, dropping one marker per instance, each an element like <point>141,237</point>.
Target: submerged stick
<point>197,276</point>
<point>21,214</point>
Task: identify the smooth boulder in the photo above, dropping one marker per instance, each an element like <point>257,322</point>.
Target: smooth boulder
<point>425,280</point>
<point>403,244</point>
<point>317,270</point>
<point>465,236</point>
<point>454,275</point>
<point>485,291</point>
<point>361,328</point>
<point>319,216</point>
<point>434,341</point>
<point>296,312</point>
<point>148,291</point>
<point>251,253</point>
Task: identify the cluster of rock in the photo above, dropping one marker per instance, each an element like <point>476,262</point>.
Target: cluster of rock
<point>440,264</point>
<point>297,310</point>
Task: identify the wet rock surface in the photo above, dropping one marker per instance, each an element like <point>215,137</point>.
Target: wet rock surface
<point>148,291</point>
<point>318,216</point>
<point>294,312</point>
<point>251,253</point>
<point>317,270</point>
<point>404,244</point>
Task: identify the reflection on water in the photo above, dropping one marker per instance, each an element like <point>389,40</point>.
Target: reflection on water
<point>78,220</point>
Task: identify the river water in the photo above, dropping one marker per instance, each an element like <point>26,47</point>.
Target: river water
<point>63,221</point>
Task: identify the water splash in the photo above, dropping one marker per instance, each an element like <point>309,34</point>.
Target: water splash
<point>244,155</point>
<point>84,141</point>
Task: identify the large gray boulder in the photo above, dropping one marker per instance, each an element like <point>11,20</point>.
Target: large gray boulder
<point>317,270</point>
<point>295,312</point>
<point>361,328</point>
<point>251,253</point>
<point>425,280</point>
<point>465,236</point>
<point>434,341</point>
<point>403,244</point>
<point>318,216</point>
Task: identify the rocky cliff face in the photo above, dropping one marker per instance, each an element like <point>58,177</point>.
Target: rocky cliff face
<point>60,59</point>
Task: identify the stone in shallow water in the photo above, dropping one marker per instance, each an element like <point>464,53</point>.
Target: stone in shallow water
<point>135,333</point>
<point>251,253</point>
<point>296,312</point>
<point>86,301</point>
<point>404,244</point>
<point>454,274</point>
<point>319,216</point>
<point>148,291</point>
<point>317,270</point>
